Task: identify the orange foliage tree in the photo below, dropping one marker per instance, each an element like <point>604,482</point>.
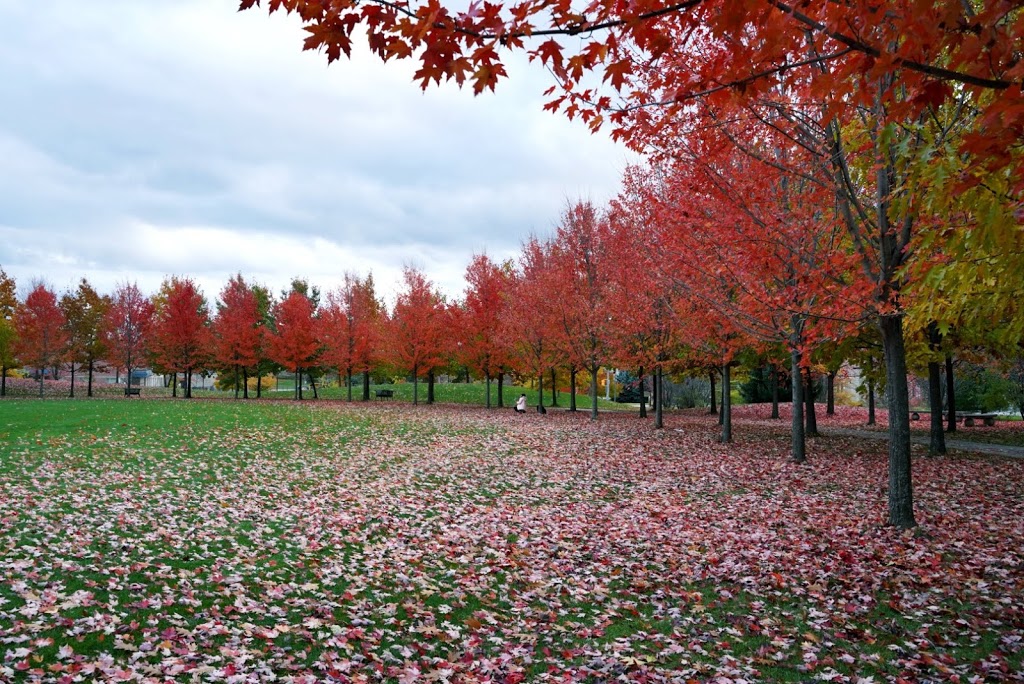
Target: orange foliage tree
<point>41,341</point>
<point>238,331</point>
<point>484,348</point>
<point>419,330</point>
<point>293,342</point>
<point>180,337</point>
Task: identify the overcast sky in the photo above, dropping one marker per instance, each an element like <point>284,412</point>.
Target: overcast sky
<point>141,139</point>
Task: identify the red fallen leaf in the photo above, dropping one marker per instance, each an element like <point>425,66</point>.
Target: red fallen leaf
<point>846,556</point>
<point>515,678</point>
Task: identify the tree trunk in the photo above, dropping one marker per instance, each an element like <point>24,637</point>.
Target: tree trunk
<point>572,390</point>
<point>811,417</point>
<point>348,382</point>
<point>830,393</point>
<point>366,385</point>
<point>540,392</point>
<point>901,497</point>
<point>937,436</point>
<point>554,388</point>
<point>950,396</point>
<point>174,384</point>
<point>871,402</point>
<point>415,386</point>
<point>312,384</point>
<point>238,377</point>
<point>88,391</point>
<point>188,383</point>
<point>487,384</point>
<point>721,403</point>
<point>501,389</point>
<point>643,402</point>
<point>799,437</point>
<point>726,406</point>
<point>593,392</point>
<point>711,378</point>
<point>72,395</point>
<point>430,387</point>
<point>659,378</point>
<point>259,384</point>
<point>774,375</point>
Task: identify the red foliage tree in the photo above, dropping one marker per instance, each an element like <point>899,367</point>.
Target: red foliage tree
<point>419,334</point>
<point>723,48</point>
<point>126,327</point>
<point>581,262</point>
<point>294,343</point>
<point>350,330</point>
<point>529,318</point>
<point>238,331</point>
<point>484,348</point>
<point>180,335</point>
<point>41,339</point>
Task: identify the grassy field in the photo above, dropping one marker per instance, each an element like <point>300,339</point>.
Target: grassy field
<point>151,540</point>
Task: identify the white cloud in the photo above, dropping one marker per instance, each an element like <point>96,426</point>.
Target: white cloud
<point>180,137</point>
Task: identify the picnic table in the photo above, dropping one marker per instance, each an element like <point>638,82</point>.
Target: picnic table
<point>385,394</point>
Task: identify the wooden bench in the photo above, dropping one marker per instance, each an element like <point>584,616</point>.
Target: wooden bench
<point>385,394</point>
<point>969,418</point>
<point>134,392</point>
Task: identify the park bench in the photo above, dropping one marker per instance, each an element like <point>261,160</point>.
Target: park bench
<point>969,418</point>
<point>385,394</point>
<point>134,391</point>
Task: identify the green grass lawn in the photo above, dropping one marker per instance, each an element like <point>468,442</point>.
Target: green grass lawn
<point>232,541</point>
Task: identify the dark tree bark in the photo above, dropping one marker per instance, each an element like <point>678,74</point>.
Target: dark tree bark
<point>659,378</point>
<point>593,392</point>
<point>799,437</point>
<point>72,395</point>
<point>501,390</point>
<point>726,406</point>
<point>554,388</point>
<point>811,417</point>
<point>936,433</point>
<point>88,391</point>
<point>348,382</point>
<point>174,384</point>
<point>572,390</point>
<point>259,384</point>
<point>540,393</point>
<point>430,387</point>
<point>312,384</point>
<point>366,385</point>
<point>643,402</point>
<point>487,383</point>
<point>901,496</point>
<point>950,396</point>
<point>830,393</point>
<point>714,407</point>
<point>773,374</point>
